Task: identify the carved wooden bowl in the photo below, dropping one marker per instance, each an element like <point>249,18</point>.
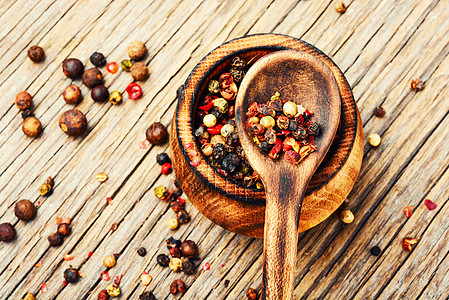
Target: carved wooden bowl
<point>225,201</point>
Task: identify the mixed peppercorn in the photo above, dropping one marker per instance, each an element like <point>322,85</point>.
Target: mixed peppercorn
<point>216,131</point>
<point>282,126</point>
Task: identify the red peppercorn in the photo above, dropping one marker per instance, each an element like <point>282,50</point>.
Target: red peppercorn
<point>112,67</point>
<point>215,129</point>
<point>134,91</point>
<point>166,169</point>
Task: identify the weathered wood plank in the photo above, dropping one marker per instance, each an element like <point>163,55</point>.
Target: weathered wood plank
<point>392,38</point>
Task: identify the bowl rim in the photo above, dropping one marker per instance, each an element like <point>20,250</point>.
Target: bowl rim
<point>256,196</point>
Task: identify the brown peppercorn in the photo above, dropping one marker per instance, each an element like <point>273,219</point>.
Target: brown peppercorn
<point>103,295</point>
<point>32,127</point>
<point>142,251</point>
<point>36,54</point>
<point>147,296</point>
<point>175,252</point>
<point>72,68</point>
<point>157,134</point>
<point>72,94</point>
<point>73,122</point>
<point>25,210</point>
<point>177,205</point>
<point>139,71</point>
<point>100,93</point>
<point>71,275</point>
<point>137,50</point>
<point>163,260</point>
<point>50,181</point>
<point>92,77</point>
<point>64,229</point>
<point>188,267</point>
<point>189,249</point>
<point>252,294</point>
<point>177,286</point>
<point>379,112</point>
<point>7,232</point>
<point>55,239</point>
<point>183,217</point>
<point>23,100</point>
<point>340,7</point>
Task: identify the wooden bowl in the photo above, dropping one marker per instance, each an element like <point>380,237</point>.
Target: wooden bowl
<point>223,200</point>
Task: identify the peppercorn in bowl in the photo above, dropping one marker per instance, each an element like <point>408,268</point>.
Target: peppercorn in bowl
<point>209,161</point>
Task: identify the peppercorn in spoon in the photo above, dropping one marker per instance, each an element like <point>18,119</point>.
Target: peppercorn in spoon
<point>303,79</point>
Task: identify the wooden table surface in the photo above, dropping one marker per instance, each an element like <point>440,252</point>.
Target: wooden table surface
<point>379,45</point>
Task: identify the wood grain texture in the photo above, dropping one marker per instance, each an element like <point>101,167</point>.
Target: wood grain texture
<point>303,79</point>
<point>379,47</point>
<point>222,200</point>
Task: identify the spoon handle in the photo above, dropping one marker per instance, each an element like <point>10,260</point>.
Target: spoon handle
<point>284,196</point>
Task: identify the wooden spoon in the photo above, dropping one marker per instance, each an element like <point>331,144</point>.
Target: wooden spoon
<point>303,79</point>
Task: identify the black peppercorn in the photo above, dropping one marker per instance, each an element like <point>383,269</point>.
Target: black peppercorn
<point>300,133</point>
<point>218,151</point>
<point>183,217</point>
<point>270,136</point>
<point>292,125</point>
<point>98,59</point>
<point>64,229</point>
<point>142,251</point>
<point>188,267</point>
<point>73,122</point>
<point>276,105</point>
<point>175,252</point>
<point>264,147</point>
<point>36,54</point>
<point>163,158</point>
<point>100,93</point>
<point>7,232</point>
<point>231,162</point>
<point>178,184</point>
<point>163,260</point>
<point>92,77</point>
<point>72,68</point>
<point>189,249</point>
<point>147,296</point>
<point>232,139</point>
<point>375,251</point>
<point>71,275</point>
<point>178,193</point>
<point>157,134</point>
<point>313,128</point>
<point>215,111</point>
<point>55,239</point>
<point>27,113</point>
<point>25,210</point>
<point>172,242</point>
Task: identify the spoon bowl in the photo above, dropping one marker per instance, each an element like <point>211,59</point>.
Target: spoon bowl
<point>306,80</point>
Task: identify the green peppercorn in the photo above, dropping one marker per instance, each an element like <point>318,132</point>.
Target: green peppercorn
<point>161,192</point>
<point>126,65</point>
<point>115,97</point>
<point>214,86</point>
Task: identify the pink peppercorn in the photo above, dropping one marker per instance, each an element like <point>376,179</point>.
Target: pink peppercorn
<point>166,169</point>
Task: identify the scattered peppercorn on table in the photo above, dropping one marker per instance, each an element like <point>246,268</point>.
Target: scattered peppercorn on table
<point>100,230</point>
